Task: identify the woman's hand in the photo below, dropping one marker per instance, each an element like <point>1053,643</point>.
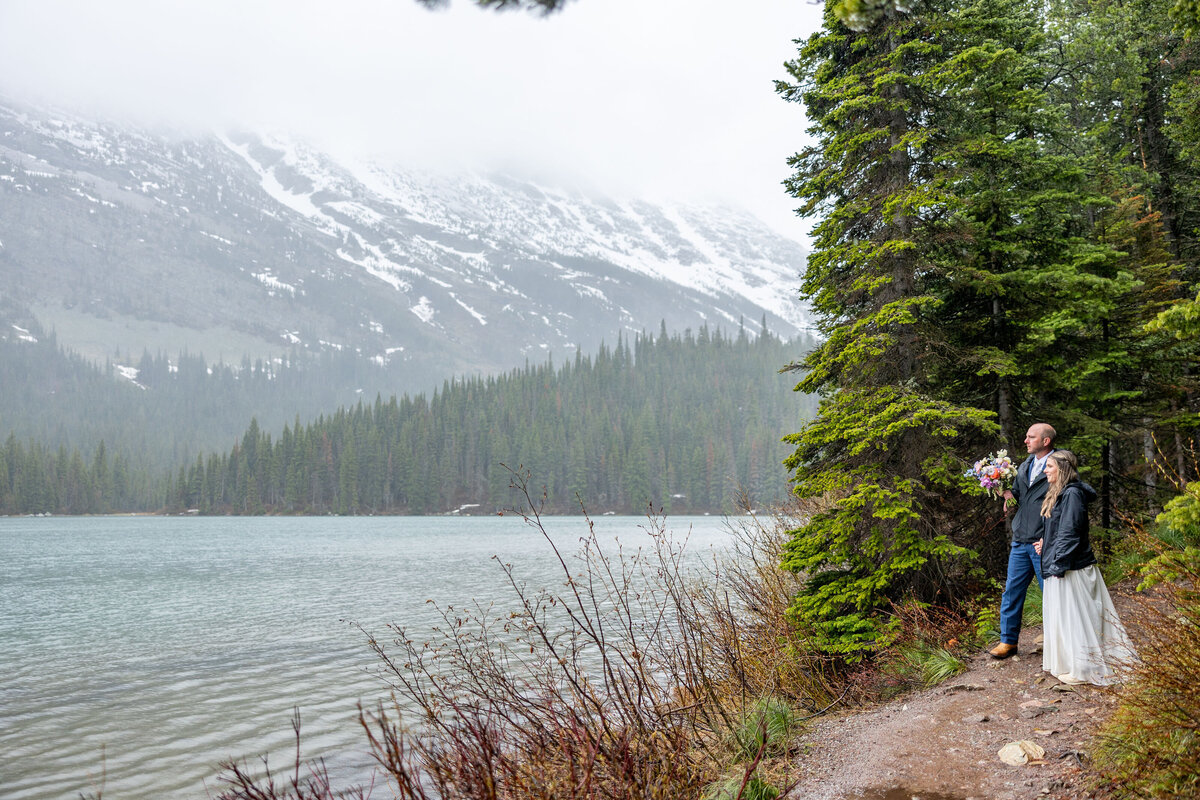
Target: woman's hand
<point>1037,546</point>
<point>1009,499</point>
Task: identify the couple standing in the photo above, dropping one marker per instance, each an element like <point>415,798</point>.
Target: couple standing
<point>1084,640</point>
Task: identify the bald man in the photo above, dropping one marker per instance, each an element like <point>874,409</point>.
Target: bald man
<point>1024,564</point>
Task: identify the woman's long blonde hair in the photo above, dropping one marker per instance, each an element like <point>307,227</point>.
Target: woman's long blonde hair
<point>1067,471</point>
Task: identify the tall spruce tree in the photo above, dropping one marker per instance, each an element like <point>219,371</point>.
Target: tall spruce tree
<point>1044,243</point>
<point>882,448</point>
<point>952,270</point>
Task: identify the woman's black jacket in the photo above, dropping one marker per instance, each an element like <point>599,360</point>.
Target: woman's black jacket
<point>1067,545</point>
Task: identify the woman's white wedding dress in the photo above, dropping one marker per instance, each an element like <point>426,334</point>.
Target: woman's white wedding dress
<point>1083,635</point>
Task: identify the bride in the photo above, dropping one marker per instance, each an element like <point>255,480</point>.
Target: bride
<point>1085,641</point>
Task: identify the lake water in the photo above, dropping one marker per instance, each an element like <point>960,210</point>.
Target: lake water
<point>148,649</point>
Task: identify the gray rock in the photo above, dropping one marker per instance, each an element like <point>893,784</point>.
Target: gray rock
<point>964,687</point>
<point>1036,711</point>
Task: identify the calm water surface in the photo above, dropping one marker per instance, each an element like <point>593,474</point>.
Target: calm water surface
<point>148,649</point>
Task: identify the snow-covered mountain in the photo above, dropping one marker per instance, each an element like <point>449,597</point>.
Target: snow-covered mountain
<point>238,244</point>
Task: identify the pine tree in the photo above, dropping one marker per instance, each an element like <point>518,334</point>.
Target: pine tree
<point>348,479</point>
<point>1132,98</point>
<point>953,273</point>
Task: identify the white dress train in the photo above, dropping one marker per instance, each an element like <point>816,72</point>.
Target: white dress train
<point>1083,635</point>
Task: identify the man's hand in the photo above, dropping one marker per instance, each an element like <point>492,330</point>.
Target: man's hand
<point>1037,546</point>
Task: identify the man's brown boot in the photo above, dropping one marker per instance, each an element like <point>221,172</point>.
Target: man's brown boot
<point>1003,650</point>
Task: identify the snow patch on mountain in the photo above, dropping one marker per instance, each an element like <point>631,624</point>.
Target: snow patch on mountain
<point>482,320</point>
<point>130,374</point>
<point>424,310</point>
<point>24,335</point>
<point>478,259</point>
<point>357,212</point>
<point>273,283</point>
<point>220,239</point>
<point>300,203</point>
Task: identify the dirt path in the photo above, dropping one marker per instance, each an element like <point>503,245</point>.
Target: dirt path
<point>943,743</point>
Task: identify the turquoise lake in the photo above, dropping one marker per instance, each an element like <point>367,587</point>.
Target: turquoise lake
<point>136,653</point>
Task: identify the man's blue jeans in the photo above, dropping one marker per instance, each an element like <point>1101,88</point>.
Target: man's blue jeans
<point>1023,565</point>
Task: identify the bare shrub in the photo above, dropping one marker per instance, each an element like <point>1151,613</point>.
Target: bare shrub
<point>305,781</point>
<point>754,651</point>
<point>626,682</point>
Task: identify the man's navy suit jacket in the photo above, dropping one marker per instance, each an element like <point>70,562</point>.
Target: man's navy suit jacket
<point>1028,523</point>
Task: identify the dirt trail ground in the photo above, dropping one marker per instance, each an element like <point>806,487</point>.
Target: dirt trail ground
<point>943,743</point>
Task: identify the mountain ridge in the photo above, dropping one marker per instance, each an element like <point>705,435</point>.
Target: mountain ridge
<point>244,244</point>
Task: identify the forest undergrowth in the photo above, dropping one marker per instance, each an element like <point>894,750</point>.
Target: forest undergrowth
<point>1150,747</point>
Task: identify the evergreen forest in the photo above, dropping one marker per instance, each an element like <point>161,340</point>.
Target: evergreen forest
<point>682,423</point>
<point>1008,196</point>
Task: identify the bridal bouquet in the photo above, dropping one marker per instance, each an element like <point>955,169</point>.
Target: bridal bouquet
<point>996,473</point>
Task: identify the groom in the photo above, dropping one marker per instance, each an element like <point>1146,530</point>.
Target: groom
<point>1027,524</point>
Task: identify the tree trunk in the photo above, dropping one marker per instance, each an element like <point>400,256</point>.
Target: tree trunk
<point>1150,455</point>
<point>1004,390</point>
<point>1180,462</point>
<point>1107,456</point>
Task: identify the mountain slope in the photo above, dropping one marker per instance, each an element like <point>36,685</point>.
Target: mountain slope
<point>239,245</point>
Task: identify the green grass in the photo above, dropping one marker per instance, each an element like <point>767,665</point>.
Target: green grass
<point>771,719</point>
<point>1033,606</point>
<point>926,664</point>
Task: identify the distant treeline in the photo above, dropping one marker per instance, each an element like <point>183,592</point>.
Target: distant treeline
<point>173,408</point>
<point>680,422</point>
<point>35,480</point>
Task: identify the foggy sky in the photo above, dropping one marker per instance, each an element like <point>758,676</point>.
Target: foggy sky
<point>669,99</point>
